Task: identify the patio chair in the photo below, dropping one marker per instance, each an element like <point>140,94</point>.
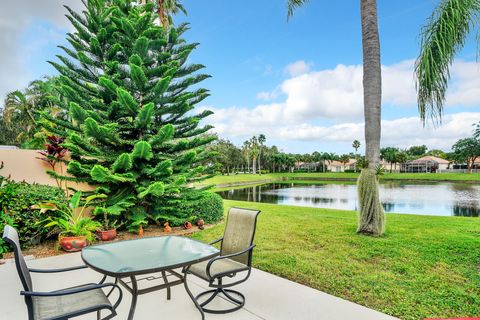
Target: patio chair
<point>61,304</point>
<point>234,261</point>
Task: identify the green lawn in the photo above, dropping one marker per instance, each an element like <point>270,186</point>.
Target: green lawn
<point>246,178</point>
<point>423,266</point>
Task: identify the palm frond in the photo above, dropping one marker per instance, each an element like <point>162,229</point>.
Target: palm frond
<point>294,4</point>
<point>442,38</point>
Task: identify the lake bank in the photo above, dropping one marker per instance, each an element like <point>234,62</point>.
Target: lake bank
<point>222,181</point>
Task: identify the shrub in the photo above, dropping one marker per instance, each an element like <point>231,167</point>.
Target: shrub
<point>205,205</point>
<point>4,219</point>
<point>209,208</point>
<point>16,200</point>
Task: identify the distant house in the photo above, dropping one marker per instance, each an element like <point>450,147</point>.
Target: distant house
<point>390,167</point>
<point>426,164</point>
<point>307,166</point>
<point>337,166</point>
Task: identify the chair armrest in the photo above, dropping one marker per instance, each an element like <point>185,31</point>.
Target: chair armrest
<point>227,256</point>
<point>88,287</point>
<point>57,270</point>
<point>216,241</point>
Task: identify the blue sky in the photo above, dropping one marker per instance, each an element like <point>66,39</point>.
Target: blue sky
<point>299,82</point>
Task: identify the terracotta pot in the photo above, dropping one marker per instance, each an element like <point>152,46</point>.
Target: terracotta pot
<point>107,235</point>
<point>200,222</point>
<point>187,225</point>
<point>73,244</point>
<point>167,228</point>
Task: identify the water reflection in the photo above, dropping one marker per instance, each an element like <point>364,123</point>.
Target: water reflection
<point>443,199</point>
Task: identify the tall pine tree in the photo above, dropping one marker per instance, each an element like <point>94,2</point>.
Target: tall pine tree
<point>130,95</point>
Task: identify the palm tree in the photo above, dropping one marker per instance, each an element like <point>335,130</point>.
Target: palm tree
<point>21,111</point>
<point>246,153</point>
<point>356,145</point>
<point>165,9</point>
<point>261,146</point>
<point>442,38</point>
<point>372,217</point>
<point>18,107</point>
<point>254,152</point>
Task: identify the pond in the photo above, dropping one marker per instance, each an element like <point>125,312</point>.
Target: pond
<point>438,199</point>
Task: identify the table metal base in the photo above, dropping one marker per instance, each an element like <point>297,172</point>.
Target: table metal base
<point>132,287</point>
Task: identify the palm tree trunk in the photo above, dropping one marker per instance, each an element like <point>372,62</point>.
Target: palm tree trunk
<point>372,81</point>
<point>259,167</point>
<point>372,217</point>
<point>254,165</point>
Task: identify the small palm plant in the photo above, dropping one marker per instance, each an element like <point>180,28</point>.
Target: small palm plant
<point>72,223</point>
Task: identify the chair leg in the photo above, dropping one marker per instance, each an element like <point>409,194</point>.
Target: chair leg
<point>99,317</point>
<point>226,294</point>
<point>237,302</point>
<point>214,294</point>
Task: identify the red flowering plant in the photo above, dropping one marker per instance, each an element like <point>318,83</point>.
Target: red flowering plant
<point>54,154</point>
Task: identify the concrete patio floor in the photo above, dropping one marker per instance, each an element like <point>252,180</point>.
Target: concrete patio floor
<point>268,297</point>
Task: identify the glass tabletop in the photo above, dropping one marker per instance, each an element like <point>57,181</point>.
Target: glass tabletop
<point>145,255</point>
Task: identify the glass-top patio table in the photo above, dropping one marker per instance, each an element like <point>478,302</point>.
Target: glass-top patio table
<point>132,258</point>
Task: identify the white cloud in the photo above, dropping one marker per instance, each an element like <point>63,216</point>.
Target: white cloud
<point>269,95</point>
<point>401,133</point>
<point>335,96</point>
<point>464,89</point>
<point>15,17</point>
<point>297,68</point>
<point>338,93</point>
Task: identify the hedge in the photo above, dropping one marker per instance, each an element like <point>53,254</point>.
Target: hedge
<point>15,202</point>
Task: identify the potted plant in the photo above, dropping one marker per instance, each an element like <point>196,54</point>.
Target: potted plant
<point>108,229</point>
<point>200,223</point>
<point>187,225</point>
<point>167,228</point>
<point>75,230</point>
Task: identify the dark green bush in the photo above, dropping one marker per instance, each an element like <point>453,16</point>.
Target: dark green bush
<point>15,201</point>
<point>4,219</point>
<point>209,208</point>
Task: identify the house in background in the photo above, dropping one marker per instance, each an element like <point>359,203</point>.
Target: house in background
<point>337,166</point>
<point>426,164</point>
<point>390,167</point>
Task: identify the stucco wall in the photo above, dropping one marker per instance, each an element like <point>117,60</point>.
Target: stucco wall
<point>23,165</point>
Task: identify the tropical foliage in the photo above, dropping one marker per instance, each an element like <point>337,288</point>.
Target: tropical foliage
<point>19,117</point>
<point>442,37</point>
<point>72,221</point>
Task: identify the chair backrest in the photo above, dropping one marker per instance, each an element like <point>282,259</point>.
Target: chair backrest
<point>239,233</point>
<point>10,235</point>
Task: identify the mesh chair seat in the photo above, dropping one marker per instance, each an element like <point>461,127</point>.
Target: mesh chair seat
<point>46,308</point>
<point>224,266</point>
